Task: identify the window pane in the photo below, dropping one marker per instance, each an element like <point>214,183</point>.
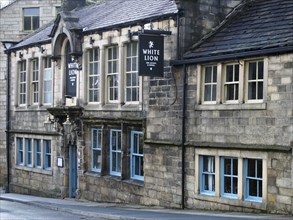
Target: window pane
<point>208,74</point>
<point>252,187</point>
<point>252,71</point>
<point>235,185</point>
<point>260,70</point>
<point>227,184</point>
<point>229,73</point>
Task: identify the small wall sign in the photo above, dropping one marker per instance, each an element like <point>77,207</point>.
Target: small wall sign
<point>60,162</point>
<point>71,78</point>
<point>151,55</point>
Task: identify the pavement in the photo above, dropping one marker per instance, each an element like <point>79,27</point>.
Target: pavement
<point>132,212</point>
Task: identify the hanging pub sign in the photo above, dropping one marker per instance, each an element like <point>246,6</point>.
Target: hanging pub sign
<point>151,55</point>
<point>71,77</point>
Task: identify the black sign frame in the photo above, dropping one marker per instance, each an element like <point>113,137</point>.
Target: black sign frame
<point>151,55</point>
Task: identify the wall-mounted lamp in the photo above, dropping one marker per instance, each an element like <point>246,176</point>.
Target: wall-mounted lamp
<point>67,126</point>
<point>48,124</point>
<point>92,40</point>
<point>20,55</point>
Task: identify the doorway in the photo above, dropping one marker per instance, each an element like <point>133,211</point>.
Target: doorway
<point>72,171</point>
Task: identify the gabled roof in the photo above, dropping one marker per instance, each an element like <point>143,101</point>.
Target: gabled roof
<point>110,14</point>
<point>259,27</point>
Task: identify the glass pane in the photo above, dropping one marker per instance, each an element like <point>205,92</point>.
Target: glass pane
<point>214,89</point>
<point>251,168</point>
<point>227,166</point>
<point>260,188</point>
<point>230,92</point>
<point>207,93</point>
<point>31,11</point>
<point>114,161</point>
<point>134,64</point>
<point>209,182</point>
<point>208,74</point>
<point>235,167</point>
<point>260,70</point>
<point>252,90</point>
<point>260,90</point>
<point>252,187</point>
<point>134,49</point>
<point>137,164</point>
<point>229,73</point>
<point>252,71</point>
<point>115,69</point>
<point>128,65</point>
<point>235,186</point>
<point>97,159</point>
<point>236,72</point>
<point>36,23</point>
<point>215,74</point>
<point>128,50</point>
<point>259,168</point>
<point>118,162</point>
<point>227,184</point>
<point>27,23</point>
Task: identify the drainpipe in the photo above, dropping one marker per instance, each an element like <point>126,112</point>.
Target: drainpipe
<point>183,136</point>
<point>8,53</point>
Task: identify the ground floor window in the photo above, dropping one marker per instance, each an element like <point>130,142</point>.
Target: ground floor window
<point>33,152</point>
<point>136,159</point>
<point>231,175</point>
<point>253,179</point>
<point>207,182</point>
<point>108,144</point>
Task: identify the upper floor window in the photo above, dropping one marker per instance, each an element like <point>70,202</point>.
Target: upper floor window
<point>22,82</point>
<point>47,81</point>
<point>112,73</point>
<point>94,75</point>
<point>132,79</point>
<point>35,81</point>
<point>136,160</point>
<point>233,83</point>
<point>31,19</point>
<point>210,83</point>
<point>255,80</point>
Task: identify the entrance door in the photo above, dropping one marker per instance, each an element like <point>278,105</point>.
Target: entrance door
<point>72,171</point>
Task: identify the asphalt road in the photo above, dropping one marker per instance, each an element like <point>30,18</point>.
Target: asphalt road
<point>18,211</point>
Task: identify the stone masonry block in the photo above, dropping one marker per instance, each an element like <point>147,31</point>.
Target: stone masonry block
<point>284,182</point>
<point>284,199</point>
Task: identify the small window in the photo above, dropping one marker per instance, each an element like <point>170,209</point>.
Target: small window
<point>231,85</point>
<point>20,149</point>
<point>229,177</point>
<point>35,81</point>
<point>31,19</point>
<point>209,84</point>
<point>47,154</point>
<point>22,82</point>
<point>29,152</point>
<point>207,175</point>
<point>253,180</point>
<point>255,80</point>
<point>38,153</point>
<point>132,78</point>
<point>96,149</point>
<point>48,81</point>
<point>94,75</point>
<point>136,161</point>
<point>115,152</point>
<point>113,73</point>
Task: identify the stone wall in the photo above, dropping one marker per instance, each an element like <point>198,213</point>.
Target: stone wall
<point>11,30</point>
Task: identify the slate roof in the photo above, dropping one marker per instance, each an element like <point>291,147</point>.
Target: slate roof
<point>260,26</point>
<point>109,14</point>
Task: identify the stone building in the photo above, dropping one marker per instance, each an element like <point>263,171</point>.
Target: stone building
<point>238,131</point>
<point>87,124</point>
<point>18,18</point>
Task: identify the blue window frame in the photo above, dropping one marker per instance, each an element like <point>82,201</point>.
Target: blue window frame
<point>38,153</point>
<point>253,180</point>
<point>29,152</point>
<point>96,155</point>
<point>20,151</point>
<point>229,177</point>
<point>207,175</point>
<point>47,154</point>
<point>136,161</point>
<point>115,152</point>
